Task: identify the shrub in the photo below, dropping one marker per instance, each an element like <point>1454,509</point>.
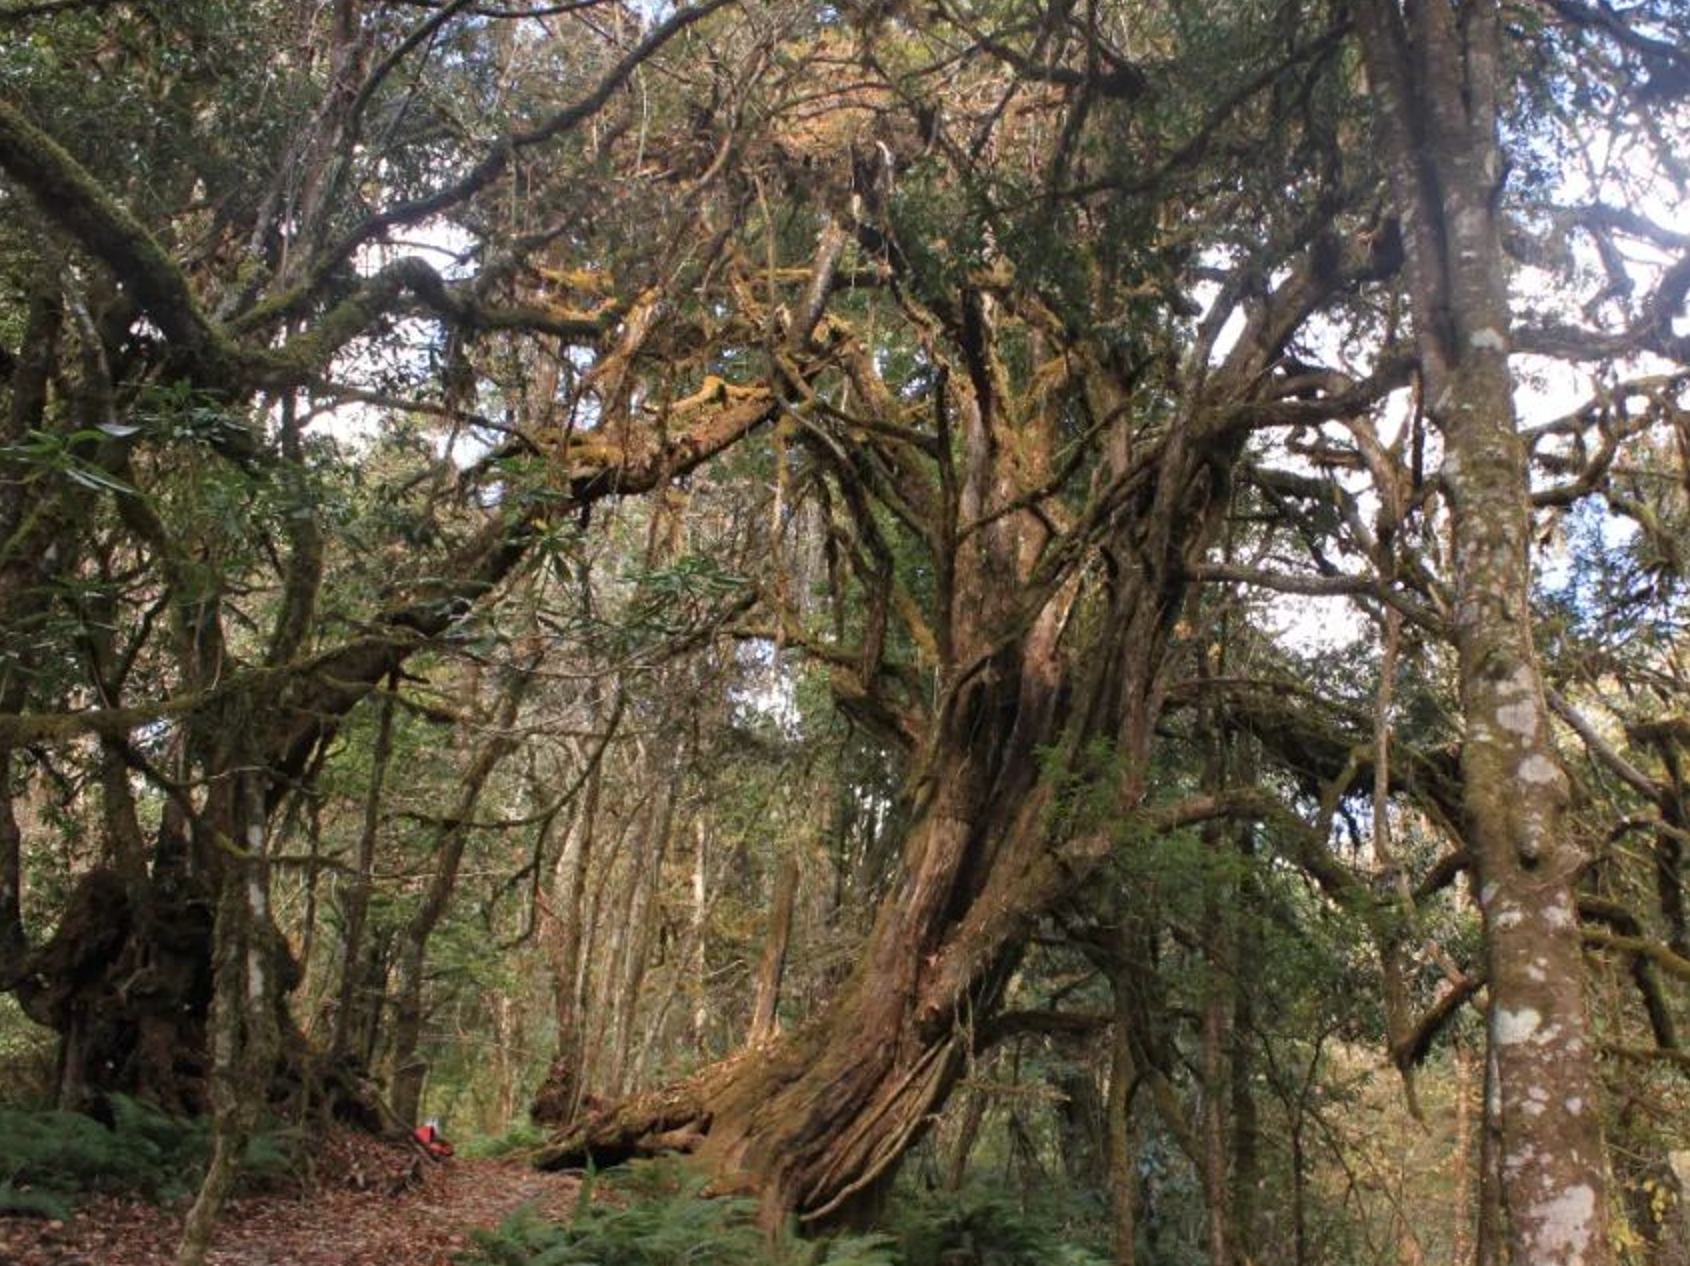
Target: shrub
<point>26,1058</point>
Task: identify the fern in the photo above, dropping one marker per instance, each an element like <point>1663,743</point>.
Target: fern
<point>517,1139</point>
<point>30,1202</point>
<point>994,1227</point>
<point>859,1250</point>
<point>663,1219</point>
<point>65,1151</point>
<point>273,1157</point>
<point>658,1216</point>
<point>54,1157</point>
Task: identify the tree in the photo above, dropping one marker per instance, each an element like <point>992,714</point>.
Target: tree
<point>1021,475</point>
<point>966,888</point>
<point>175,367</point>
<point>1439,83</point>
<point>174,633</point>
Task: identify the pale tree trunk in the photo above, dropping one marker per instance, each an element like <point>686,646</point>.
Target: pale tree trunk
<point>1435,71</point>
<point>637,927</point>
<point>698,966</point>
<point>688,972</point>
<point>509,1038</point>
<point>603,927</point>
<point>245,1033</point>
<point>559,1096</point>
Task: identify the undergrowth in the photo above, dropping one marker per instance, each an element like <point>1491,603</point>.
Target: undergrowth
<point>519,1138</point>
<point>986,1224</point>
<point>656,1215</point>
<point>50,1159</point>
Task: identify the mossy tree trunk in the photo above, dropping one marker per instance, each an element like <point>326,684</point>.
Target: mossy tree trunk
<point>245,1031</point>
<point>771,964</point>
<point>814,1121</point>
<point>358,1005</point>
<point>1438,75</point>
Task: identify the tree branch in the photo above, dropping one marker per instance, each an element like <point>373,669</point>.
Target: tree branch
<point>492,166</point>
<point>74,201</point>
<point>46,8</point>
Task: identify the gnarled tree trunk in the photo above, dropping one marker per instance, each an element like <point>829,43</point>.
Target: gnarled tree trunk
<point>816,1120</point>
<point>1044,623</point>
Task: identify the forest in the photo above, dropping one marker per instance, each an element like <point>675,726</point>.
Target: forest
<point>927,631</point>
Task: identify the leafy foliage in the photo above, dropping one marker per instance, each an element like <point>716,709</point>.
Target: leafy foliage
<point>662,1219</point>
<point>994,1226</point>
<point>53,1157</point>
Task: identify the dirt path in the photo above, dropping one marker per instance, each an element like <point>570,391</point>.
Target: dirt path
<point>371,1204</point>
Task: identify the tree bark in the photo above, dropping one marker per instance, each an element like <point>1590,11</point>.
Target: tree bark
<point>14,943</point>
<point>697,963</point>
<point>1122,1139</point>
<point>560,1094</point>
<point>355,1016</point>
<point>133,1017</point>
<point>1436,71</point>
<point>1047,642</point>
<point>635,928</point>
<point>771,966</point>
<point>245,1029</point>
<point>1216,1038</point>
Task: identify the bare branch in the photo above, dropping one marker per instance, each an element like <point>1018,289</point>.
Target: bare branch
<point>482,175</point>
<point>1602,750</point>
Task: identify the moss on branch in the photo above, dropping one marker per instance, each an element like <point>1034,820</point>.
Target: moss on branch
<point>74,200</point>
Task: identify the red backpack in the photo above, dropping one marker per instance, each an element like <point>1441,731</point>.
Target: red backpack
<point>432,1140</point>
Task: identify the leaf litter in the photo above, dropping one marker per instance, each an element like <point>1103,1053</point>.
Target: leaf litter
<point>362,1202</point>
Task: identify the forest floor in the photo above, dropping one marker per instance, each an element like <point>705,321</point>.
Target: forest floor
<point>368,1203</point>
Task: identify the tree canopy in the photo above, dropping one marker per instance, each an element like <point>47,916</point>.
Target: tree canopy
<point>766,560</point>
